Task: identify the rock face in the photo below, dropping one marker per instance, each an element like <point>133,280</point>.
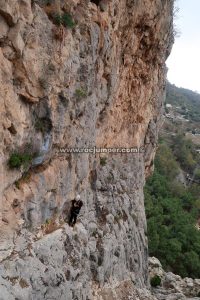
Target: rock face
<point>100,83</point>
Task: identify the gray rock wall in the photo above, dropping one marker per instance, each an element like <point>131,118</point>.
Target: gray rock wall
<point>98,84</point>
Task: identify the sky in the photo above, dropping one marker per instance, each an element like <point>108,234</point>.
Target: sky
<point>184,61</point>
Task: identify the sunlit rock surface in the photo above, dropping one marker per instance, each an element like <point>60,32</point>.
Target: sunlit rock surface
<point>100,84</point>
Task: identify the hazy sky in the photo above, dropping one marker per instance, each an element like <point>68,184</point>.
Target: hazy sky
<point>184,61</point>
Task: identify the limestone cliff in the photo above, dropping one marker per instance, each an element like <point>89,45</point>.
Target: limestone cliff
<point>78,74</point>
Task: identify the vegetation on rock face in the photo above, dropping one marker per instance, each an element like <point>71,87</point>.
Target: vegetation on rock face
<point>65,20</point>
<point>173,207</point>
<point>155,281</point>
<point>43,125</point>
<point>103,161</point>
<point>22,158</point>
<point>80,93</point>
<point>17,160</point>
<point>48,2</point>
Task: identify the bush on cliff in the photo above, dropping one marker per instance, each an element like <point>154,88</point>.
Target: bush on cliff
<point>155,281</point>
<point>22,157</point>
<point>17,160</point>
<point>65,20</point>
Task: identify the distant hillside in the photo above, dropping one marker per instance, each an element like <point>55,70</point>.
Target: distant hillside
<point>185,99</point>
<point>172,194</point>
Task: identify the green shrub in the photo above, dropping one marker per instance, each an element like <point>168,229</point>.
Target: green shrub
<point>103,161</point>
<point>48,221</point>
<point>17,160</point>
<point>58,19</point>
<point>43,125</point>
<point>80,93</point>
<point>48,2</point>
<point>155,281</point>
<point>22,157</point>
<point>14,161</point>
<point>65,20</point>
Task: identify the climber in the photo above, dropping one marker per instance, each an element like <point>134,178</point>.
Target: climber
<point>75,209</point>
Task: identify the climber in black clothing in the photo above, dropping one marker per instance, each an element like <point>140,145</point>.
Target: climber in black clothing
<point>75,209</point>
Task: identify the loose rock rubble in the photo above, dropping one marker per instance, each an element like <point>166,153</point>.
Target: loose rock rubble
<point>173,287</point>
